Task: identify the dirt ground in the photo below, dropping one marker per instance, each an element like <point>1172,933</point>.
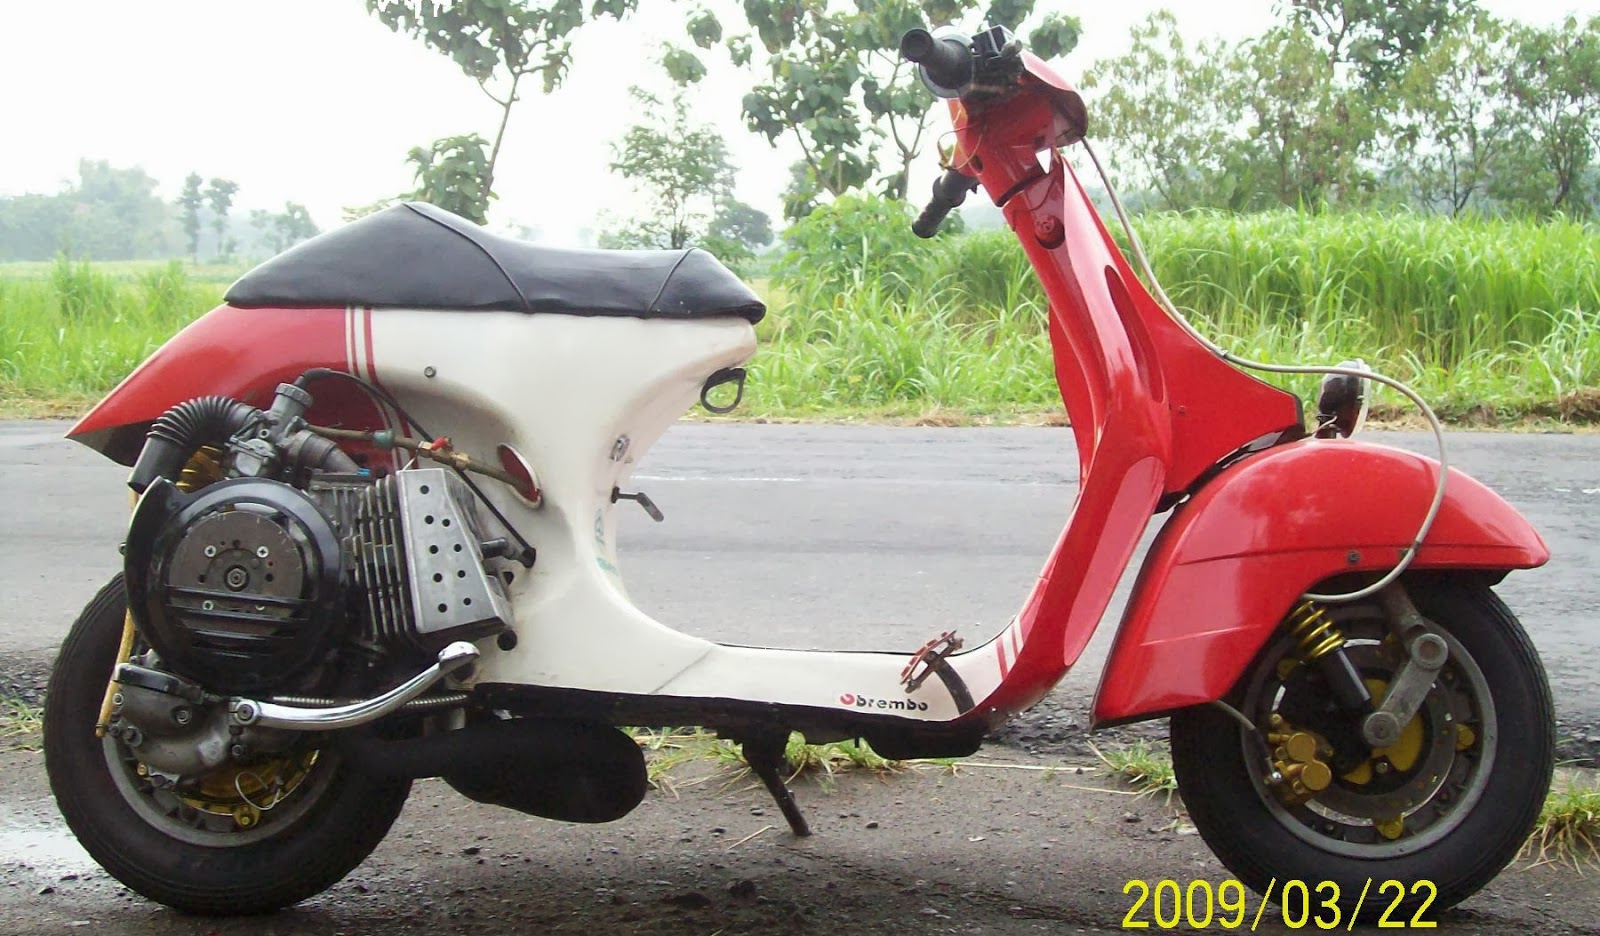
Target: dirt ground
<point>1009,844</point>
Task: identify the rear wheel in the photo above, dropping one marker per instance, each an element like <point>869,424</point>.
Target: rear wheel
<point>1441,811</point>
<point>242,840</point>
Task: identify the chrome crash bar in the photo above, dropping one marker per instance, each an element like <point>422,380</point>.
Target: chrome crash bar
<point>295,718</point>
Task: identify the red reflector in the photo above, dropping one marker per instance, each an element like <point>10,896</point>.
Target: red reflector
<point>527,486</point>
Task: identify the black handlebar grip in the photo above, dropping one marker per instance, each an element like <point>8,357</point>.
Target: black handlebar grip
<point>949,191</point>
<point>946,62</point>
<point>927,223</point>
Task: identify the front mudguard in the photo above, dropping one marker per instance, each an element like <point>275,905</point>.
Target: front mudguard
<point>1234,558</point>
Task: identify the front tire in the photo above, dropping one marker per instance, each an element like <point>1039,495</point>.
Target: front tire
<point>158,843</point>
<point>1452,811</point>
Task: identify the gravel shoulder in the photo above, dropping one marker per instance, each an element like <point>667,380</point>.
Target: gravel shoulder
<point>987,849</point>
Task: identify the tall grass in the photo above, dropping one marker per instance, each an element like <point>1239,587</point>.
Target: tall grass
<point>80,330</point>
<point>1476,312</point>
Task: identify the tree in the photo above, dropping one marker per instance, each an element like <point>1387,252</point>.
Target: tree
<point>736,221</point>
<point>737,231</point>
<point>1377,38</point>
<point>106,213</point>
<point>1311,133</point>
<point>1455,115</point>
<point>1172,110</point>
<point>219,195</point>
<point>31,226</point>
<point>497,43</point>
<point>1554,78</point>
<point>835,82</point>
<point>450,175</point>
<point>282,230</point>
<point>681,166</point>
<point>295,225</point>
<point>115,213</point>
<point>189,203</point>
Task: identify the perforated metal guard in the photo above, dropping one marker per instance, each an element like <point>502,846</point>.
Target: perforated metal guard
<point>451,590</point>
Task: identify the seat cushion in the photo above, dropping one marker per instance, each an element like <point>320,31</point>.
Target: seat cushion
<point>417,256</point>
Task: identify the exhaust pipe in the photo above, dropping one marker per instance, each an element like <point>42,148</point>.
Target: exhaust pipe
<point>567,771</point>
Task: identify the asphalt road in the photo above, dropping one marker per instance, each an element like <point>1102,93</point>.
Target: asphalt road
<point>855,537</point>
<point>852,537</point>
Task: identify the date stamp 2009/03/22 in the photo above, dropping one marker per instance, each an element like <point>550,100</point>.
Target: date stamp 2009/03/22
<point>1166,904</point>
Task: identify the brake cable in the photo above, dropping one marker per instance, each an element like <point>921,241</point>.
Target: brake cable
<point>1171,309</point>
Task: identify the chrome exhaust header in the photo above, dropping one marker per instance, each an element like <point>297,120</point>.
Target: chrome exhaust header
<point>248,712</point>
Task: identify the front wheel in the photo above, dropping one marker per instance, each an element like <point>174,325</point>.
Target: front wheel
<point>1441,811</point>
<point>244,839</point>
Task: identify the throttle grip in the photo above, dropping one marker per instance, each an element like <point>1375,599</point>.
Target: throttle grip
<point>946,63</point>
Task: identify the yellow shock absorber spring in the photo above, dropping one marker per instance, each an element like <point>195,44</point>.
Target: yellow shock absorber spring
<point>1311,627</point>
<point>204,467</point>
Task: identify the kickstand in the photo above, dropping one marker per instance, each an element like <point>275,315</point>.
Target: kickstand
<point>764,754</point>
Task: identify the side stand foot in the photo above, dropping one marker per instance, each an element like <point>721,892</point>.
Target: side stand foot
<point>764,754</point>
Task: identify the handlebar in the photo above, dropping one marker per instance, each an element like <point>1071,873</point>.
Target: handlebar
<point>949,191</point>
<point>947,69</point>
<point>946,63</point>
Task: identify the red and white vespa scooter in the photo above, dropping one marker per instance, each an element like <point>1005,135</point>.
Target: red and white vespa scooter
<point>323,601</point>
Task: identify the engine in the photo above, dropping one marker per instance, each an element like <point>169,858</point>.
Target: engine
<point>256,583</point>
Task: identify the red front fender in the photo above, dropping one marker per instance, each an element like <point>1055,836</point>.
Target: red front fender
<point>1232,560</point>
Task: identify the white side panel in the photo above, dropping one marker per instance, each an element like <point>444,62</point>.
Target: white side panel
<point>563,390</point>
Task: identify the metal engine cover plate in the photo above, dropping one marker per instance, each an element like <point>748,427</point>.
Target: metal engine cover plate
<point>451,590</point>
<point>236,586</point>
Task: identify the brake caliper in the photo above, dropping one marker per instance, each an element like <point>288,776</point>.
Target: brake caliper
<point>1297,757</point>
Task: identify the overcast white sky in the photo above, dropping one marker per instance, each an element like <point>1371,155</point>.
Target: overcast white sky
<point>315,101</point>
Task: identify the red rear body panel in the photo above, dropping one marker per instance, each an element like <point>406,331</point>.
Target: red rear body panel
<point>243,354</point>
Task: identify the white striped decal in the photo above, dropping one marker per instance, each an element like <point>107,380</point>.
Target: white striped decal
<point>358,361</point>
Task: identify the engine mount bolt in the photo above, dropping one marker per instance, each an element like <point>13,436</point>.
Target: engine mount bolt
<point>211,552</point>
<point>238,750</point>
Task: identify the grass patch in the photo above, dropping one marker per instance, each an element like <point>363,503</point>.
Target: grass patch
<point>833,757</point>
<point>21,725</point>
<point>667,749</point>
<point>1569,825</point>
<point>670,748</point>
<point>1142,766</point>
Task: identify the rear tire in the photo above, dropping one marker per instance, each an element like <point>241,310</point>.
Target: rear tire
<point>1498,780</point>
<point>334,818</point>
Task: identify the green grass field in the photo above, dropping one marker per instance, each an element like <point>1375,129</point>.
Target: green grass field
<point>1491,319</point>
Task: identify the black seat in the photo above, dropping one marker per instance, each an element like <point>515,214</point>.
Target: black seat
<point>417,256</point>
